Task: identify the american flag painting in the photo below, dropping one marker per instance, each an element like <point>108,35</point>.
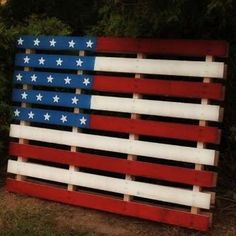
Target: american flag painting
<point>118,124</point>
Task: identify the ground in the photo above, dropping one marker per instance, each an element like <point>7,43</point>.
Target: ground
<point>21,215</point>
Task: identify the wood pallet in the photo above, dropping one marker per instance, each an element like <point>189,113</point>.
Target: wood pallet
<point>118,124</point>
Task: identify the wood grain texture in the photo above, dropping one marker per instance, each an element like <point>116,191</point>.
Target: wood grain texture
<point>115,185</point>
<point>105,203</point>
<point>160,67</point>
<point>97,162</point>
<point>178,47</point>
<point>135,147</point>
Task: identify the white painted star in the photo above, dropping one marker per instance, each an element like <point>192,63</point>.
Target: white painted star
<point>20,41</point>
<point>71,44</point>
<point>59,61</point>
<point>79,62</point>
<point>46,116</point>
<point>63,119</point>
<point>52,43</point>
<point>56,99</point>
<point>89,44</point>
<point>24,95</point>
<point>39,97</point>
<point>31,115</point>
<point>50,78</point>
<point>26,59</point>
<point>16,113</point>
<point>41,61</point>
<point>86,81</point>
<point>83,121</point>
<point>33,78</point>
<point>67,80</point>
<point>19,77</point>
<point>74,100</point>
<point>36,42</point>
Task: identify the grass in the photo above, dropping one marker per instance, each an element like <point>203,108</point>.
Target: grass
<point>32,217</point>
<point>21,215</point>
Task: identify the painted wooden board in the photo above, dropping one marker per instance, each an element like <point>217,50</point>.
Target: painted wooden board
<point>119,124</point>
<point>166,94</point>
<point>98,142</point>
<point>158,108</point>
<point>134,188</point>
<point>157,86</point>
<point>123,65</point>
<point>117,104</point>
<point>106,203</point>
<point>218,48</point>
<point>117,165</point>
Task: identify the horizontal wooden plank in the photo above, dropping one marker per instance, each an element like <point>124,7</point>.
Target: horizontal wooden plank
<point>157,108</point>
<point>122,84</point>
<point>119,124</point>
<point>116,165</point>
<point>117,104</point>
<point>113,205</point>
<point>51,98</point>
<point>53,42</point>
<point>111,184</point>
<point>64,80</point>
<point>159,87</point>
<point>51,117</point>
<point>135,147</point>
<point>123,65</point>
<point>183,47</point>
<point>160,67</point>
<point>156,128</point>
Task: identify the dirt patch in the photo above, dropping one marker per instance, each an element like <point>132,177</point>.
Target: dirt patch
<point>21,215</point>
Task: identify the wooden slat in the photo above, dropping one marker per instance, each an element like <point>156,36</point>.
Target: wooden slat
<point>160,67</point>
<point>170,88</point>
<point>123,125</point>
<point>23,123</point>
<point>75,129</point>
<point>104,203</point>
<point>133,136</point>
<point>216,48</point>
<point>134,188</point>
<point>116,165</point>
<point>158,87</point>
<point>201,144</point>
<point>184,47</point>
<point>117,104</point>
<point>135,147</point>
<point>125,65</point>
<point>156,128</point>
<point>158,108</point>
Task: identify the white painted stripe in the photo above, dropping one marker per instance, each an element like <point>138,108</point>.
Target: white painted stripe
<point>160,67</point>
<point>134,147</point>
<point>159,108</point>
<point>145,190</point>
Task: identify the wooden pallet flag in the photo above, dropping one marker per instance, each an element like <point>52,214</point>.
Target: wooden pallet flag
<point>118,124</point>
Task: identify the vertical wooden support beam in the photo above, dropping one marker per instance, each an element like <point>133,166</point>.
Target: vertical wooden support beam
<point>71,187</point>
<point>201,144</point>
<point>134,136</point>
<point>24,123</point>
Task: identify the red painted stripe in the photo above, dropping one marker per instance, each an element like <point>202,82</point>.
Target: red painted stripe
<point>135,168</point>
<point>113,205</point>
<point>156,128</point>
<point>159,87</point>
<point>216,48</point>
